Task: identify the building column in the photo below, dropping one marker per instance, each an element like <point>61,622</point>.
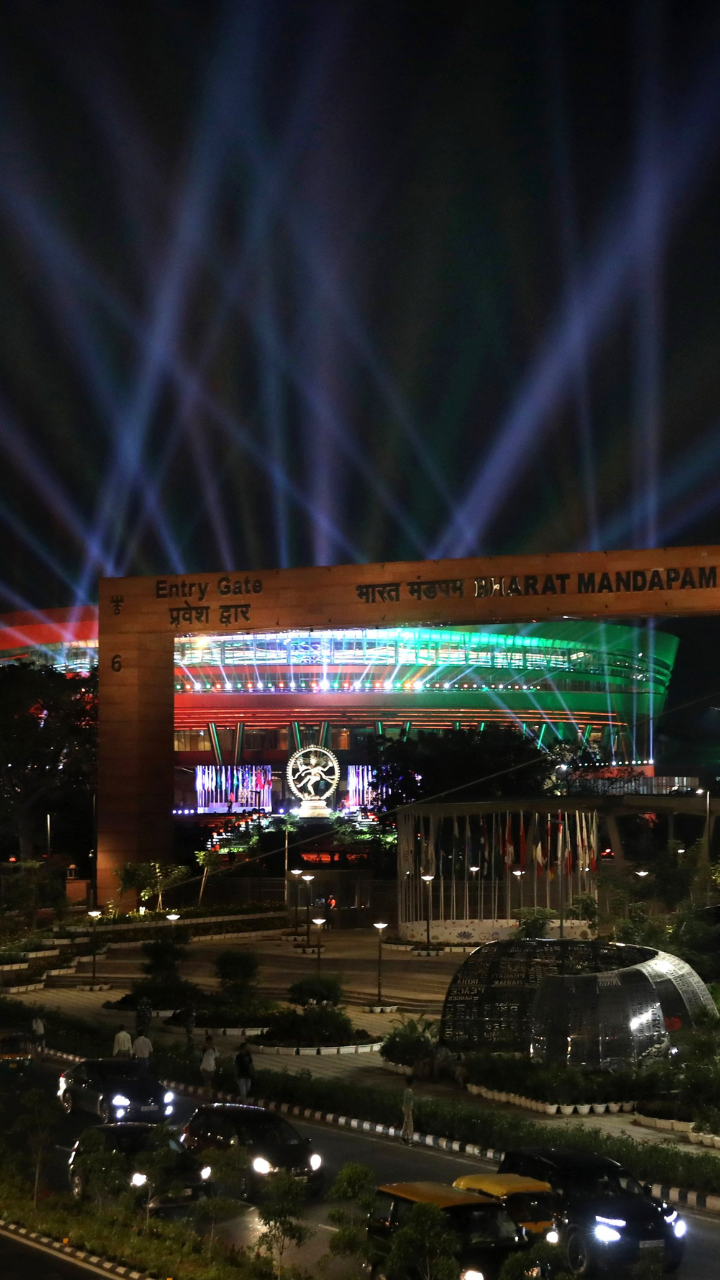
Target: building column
<point>135,752</point>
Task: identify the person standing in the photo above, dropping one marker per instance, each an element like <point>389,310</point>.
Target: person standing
<point>122,1044</point>
<point>38,1030</point>
<point>244,1070</point>
<point>408,1127</point>
<point>142,1048</point>
<point>209,1062</point>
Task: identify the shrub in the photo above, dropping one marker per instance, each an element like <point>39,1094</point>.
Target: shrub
<point>315,990</point>
<point>237,968</point>
<point>413,1040</point>
<point>534,921</point>
<point>316,1025</point>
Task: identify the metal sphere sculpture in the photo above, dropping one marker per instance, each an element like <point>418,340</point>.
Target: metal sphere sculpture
<point>588,1004</point>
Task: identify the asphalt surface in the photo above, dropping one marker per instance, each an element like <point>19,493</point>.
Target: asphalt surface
<point>389,1160</point>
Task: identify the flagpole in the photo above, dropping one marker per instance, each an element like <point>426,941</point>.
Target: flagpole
<point>560,868</point>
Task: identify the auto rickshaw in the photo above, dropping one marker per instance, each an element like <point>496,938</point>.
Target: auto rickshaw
<point>16,1052</point>
<point>529,1202</point>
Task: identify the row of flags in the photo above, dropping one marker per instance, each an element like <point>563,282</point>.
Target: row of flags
<point>546,843</point>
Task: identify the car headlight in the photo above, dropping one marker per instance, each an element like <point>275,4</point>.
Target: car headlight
<point>553,1237</point>
<point>670,1217</point>
<point>138,1180</point>
<point>606,1234</point>
<point>120,1100</point>
<point>261,1165</point>
<point>120,1112</point>
<point>206,1172</point>
<point>169,1096</point>
<point>610,1222</point>
<point>680,1228</point>
<point>168,1111</point>
<point>315,1162</point>
<point>472,1275</point>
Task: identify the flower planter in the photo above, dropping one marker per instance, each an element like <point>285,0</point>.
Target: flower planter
<point>716,1142</point>
<point>708,1140</point>
<point>502,1097</point>
<point>614,1108</point>
<point>628,1106</point>
<point>475,1089</point>
<point>567,1108</point>
<point>695,1137</point>
<point>599,1108</point>
<point>550,1108</point>
<point>583,1108</point>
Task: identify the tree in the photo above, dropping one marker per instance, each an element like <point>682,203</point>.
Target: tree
<point>426,1244</point>
<point>36,1123</point>
<point>465,764</point>
<point>150,879</point>
<point>354,1187</point>
<point>280,1213</point>
<point>48,742</point>
<point>211,861</point>
<point>237,970</point>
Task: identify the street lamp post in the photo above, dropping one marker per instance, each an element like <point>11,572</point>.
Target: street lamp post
<point>474,870</point>
<point>94,916</point>
<point>318,921</point>
<point>380,928</point>
<point>297,871</point>
<point>428,880</point>
<point>308,880</point>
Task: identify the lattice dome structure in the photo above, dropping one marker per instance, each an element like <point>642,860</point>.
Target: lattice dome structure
<point>589,1004</point>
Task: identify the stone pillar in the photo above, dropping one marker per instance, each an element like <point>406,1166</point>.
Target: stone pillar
<point>135,751</point>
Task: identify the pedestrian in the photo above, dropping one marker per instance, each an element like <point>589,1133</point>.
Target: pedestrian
<point>244,1070</point>
<point>38,1030</point>
<point>142,1048</point>
<point>122,1044</point>
<point>408,1127</point>
<point>209,1062</point>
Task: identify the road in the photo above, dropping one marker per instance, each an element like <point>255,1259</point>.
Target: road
<point>390,1162</point>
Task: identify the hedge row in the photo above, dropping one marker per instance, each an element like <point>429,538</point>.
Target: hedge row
<point>164,1249</point>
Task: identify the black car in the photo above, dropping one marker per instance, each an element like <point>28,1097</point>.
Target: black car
<point>115,1089</point>
<point>608,1219</point>
<point>271,1142</point>
<point>180,1177</point>
<point>485,1231</point>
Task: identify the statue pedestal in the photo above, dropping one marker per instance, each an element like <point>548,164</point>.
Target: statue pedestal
<point>314,809</point>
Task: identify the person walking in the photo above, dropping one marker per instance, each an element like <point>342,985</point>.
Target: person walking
<point>38,1030</point>
<point>244,1070</point>
<point>122,1044</point>
<point>142,1048</point>
<point>209,1062</point>
<point>408,1127</point>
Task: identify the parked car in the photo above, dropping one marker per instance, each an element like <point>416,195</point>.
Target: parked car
<point>530,1203</point>
<point>115,1089</point>
<point>486,1232</point>
<point>15,1053</point>
<point>607,1218</point>
<point>272,1143</point>
<point>182,1178</point>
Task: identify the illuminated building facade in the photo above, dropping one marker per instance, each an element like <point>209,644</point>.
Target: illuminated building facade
<point>247,701</point>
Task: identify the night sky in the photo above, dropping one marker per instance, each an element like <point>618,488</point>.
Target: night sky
<point>289,283</point>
